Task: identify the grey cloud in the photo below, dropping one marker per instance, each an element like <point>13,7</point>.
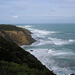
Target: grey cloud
<point>52,10</point>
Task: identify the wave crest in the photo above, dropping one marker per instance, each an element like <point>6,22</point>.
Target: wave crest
<point>61,41</point>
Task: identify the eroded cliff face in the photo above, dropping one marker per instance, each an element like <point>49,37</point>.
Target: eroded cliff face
<point>20,37</point>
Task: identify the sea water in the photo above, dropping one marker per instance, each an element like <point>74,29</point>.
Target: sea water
<point>54,46</point>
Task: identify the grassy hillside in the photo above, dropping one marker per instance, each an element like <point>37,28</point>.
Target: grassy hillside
<point>16,61</point>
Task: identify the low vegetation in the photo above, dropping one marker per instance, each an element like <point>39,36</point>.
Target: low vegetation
<point>16,61</point>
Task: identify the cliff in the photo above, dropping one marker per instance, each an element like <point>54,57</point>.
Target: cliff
<point>20,36</point>
<point>16,61</point>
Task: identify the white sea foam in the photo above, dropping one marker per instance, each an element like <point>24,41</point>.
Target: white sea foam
<point>61,41</point>
<point>40,33</point>
<point>61,53</point>
<point>27,26</point>
<point>41,54</point>
<point>44,55</point>
<point>61,71</point>
<point>44,42</point>
<point>71,40</point>
<point>58,41</point>
<point>51,51</point>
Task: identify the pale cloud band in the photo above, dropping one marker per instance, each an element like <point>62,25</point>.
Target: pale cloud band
<point>14,16</point>
<point>28,11</point>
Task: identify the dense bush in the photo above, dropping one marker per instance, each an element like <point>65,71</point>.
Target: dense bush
<point>16,61</point>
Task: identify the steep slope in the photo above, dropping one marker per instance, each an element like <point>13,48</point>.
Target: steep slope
<point>20,36</point>
<point>16,61</point>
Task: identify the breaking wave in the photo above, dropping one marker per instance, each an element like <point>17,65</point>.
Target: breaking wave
<point>50,50</point>
<point>61,41</point>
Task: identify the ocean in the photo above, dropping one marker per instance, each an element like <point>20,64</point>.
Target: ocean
<point>54,46</point>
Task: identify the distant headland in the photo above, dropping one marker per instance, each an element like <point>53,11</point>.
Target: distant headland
<point>20,36</point>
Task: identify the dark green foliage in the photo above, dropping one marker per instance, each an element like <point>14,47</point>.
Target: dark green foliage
<point>17,61</point>
<point>17,69</point>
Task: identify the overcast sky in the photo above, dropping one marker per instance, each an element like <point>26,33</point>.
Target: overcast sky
<point>37,11</point>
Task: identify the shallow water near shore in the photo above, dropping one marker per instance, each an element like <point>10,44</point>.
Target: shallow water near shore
<point>55,46</point>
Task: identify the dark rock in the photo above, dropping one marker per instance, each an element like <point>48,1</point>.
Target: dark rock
<point>31,50</point>
<point>72,74</point>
